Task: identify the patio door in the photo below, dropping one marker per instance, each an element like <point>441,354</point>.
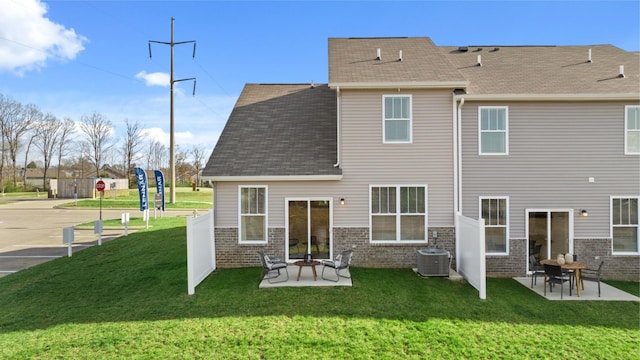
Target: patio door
<point>549,233</point>
<point>308,228</point>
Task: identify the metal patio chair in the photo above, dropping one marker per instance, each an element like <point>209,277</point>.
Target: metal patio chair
<point>341,262</point>
<point>271,268</point>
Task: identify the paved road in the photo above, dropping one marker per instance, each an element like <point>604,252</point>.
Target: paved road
<point>31,231</point>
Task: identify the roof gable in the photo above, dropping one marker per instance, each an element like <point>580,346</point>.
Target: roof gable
<point>278,131</point>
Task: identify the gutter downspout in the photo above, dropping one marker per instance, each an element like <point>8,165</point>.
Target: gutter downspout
<point>214,196</point>
<point>337,164</point>
<point>457,171</point>
<point>458,152</point>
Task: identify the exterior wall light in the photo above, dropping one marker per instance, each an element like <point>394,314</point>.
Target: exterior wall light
<point>584,213</point>
<point>341,201</point>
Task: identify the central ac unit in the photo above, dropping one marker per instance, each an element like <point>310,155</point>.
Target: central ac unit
<point>433,262</point>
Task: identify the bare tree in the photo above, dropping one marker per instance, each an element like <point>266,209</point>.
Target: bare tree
<point>183,169</point>
<point>197,152</point>
<point>16,128</point>
<point>67,129</point>
<point>132,145</point>
<point>97,129</point>
<point>47,139</point>
<point>8,110</point>
<point>156,155</point>
<point>31,138</point>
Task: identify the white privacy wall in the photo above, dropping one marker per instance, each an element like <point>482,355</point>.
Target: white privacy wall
<point>201,254</point>
<point>470,252</point>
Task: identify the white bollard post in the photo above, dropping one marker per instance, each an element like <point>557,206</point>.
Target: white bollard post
<point>125,222</point>
<point>97,229</point>
<point>67,238</point>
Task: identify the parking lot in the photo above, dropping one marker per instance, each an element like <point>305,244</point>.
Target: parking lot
<point>31,231</point>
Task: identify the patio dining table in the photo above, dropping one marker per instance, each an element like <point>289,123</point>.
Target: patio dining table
<point>576,266</point>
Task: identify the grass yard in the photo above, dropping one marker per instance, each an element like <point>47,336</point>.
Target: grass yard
<point>128,299</point>
<point>186,198</point>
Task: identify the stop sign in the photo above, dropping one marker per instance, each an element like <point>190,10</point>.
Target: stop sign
<point>100,185</point>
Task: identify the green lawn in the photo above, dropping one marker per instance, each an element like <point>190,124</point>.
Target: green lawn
<point>128,299</point>
<point>186,198</point>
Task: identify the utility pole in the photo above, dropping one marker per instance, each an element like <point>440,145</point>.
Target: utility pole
<point>172,81</point>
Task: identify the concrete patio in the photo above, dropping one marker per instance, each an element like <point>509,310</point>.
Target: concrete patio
<point>306,278</point>
<point>590,292</point>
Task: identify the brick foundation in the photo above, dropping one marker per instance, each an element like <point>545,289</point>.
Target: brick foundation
<point>229,254</point>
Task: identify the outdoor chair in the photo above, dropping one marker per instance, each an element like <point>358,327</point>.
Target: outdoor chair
<point>271,268</point>
<point>536,269</point>
<point>341,262</point>
<point>591,275</point>
<point>555,275</point>
<point>536,251</point>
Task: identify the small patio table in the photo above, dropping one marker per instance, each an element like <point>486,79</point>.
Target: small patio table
<point>576,266</point>
<point>302,264</point>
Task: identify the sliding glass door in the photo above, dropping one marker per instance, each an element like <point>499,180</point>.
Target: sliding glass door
<point>308,228</point>
<point>550,232</point>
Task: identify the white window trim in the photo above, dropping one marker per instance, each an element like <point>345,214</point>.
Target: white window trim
<point>266,215</point>
<point>398,215</point>
<point>611,225</point>
<point>506,226</point>
<point>626,130</point>
<point>384,135</point>
<point>506,130</point>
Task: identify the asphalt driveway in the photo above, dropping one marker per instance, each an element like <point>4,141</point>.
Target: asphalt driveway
<point>31,231</point>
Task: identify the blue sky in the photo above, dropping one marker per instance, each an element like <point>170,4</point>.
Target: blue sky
<point>75,57</point>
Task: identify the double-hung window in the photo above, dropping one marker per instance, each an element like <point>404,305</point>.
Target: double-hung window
<point>632,130</point>
<point>396,118</point>
<point>253,214</point>
<point>624,225</point>
<point>493,130</point>
<point>398,213</point>
<point>495,212</point>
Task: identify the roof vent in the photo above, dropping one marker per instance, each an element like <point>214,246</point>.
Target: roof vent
<point>378,54</point>
<point>400,56</point>
<point>589,60</point>
<point>312,84</point>
<point>495,49</point>
<point>479,60</point>
<point>621,74</point>
<point>463,49</point>
<point>478,49</point>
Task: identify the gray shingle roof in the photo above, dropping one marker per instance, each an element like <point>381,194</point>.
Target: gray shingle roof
<point>278,130</point>
<point>526,70</point>
<point>547,69</point>
<point>353,60</point>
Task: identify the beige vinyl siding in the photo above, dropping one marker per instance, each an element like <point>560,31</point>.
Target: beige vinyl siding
<point>365,160</point>
<point>554,148</point>
<point>226,206</point>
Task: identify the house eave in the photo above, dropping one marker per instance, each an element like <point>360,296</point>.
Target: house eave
<point>401,85</point>
<point>550,97</point>
<point>273,178</point>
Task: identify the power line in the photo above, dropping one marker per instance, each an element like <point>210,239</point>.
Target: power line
<point>172,81</point>
<point>214,80</point>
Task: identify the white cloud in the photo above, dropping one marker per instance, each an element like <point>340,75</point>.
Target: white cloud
<point>156,134</point>
<point>185,140</point>
<point>154,79</point>
<point>28,38</point>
